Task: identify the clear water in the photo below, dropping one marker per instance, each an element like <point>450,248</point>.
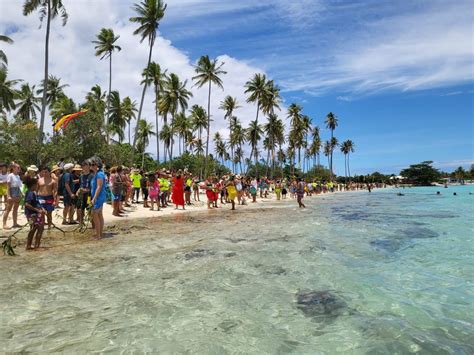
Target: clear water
<point>373,273</point>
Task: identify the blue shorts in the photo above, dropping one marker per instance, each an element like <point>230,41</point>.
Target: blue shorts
<point>98,204</point>
<point>117,197</point>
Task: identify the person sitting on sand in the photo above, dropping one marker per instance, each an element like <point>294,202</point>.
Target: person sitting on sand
<point>47,190</point>
<point>34,214</point>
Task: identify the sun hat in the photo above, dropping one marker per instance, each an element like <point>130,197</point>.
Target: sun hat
<point>68,166</point>
<point>32,168</point>
<point>55,168</point>
<point>77,167</point>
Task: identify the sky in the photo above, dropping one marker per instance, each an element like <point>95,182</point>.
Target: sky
<point>398,74</point>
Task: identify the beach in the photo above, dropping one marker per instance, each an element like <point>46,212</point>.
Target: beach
<point>353,272</point>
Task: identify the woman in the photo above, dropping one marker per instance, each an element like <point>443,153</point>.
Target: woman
<point>178,190</point>
<point>231,191</point>
<point>14,195</point>
<point>98,197</point>
<point>116,184</point>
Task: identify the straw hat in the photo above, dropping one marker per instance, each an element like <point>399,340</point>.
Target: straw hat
<point>77,167</point>
<point>55,168</point>
<point>68,166</point>
<point>32,168</point>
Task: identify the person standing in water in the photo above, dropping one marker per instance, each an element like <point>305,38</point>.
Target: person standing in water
<point>300,192</point>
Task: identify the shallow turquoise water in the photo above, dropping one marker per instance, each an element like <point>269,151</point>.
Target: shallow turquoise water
<point>355,272</point>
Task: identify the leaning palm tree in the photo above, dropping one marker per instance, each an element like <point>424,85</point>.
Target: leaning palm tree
<point>54,89</point>
<point>7,92</point>
<point>154,75</point>
<point>3,56</point>
<point>331,123</point>
<point>145,130</point>
<point>28,103</point>
<point>129,110</point>
<point>208,72</point>
<point>149,15</point>
<point>49,9</point>
<point>104,47</point>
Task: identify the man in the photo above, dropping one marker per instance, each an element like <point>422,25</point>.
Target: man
<point>67,184</point>
<point>84,191</point>
<point>300,192</point>
<point>47,191</point>
<point>135,176</point>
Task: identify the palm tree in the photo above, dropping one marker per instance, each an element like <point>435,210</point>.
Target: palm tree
<point>117,120</point>
<point>347,147</point>
<point>274,131</point>
<point>238,136</point>
<point>333,144</point>
<point>199,119</point>
<point>145,130</point>
<point>129,109</point>
<point>166,135</point>
<point>3,56</point>
<point>28,103</point>
<point>63,106</point>
<point>49,9</point>
<point>220,148</point>
<point>182,127</point>
<point>327,150</point>
<point>208,71</point>
<point>254,132</point>
<point>315,147</point>
<point>331,123</point>
<point>229,105</point>
<point>95,102</point>
<point>7,92</point>
<point>54,89</point>
<point>105,46</point>
<point>154,75</point>
<point>149,15</point>
<point>299,126</point>
<point>175,97</point>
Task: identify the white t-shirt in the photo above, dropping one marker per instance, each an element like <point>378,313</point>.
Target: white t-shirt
<point>3,178</point>
<point>14,180</point>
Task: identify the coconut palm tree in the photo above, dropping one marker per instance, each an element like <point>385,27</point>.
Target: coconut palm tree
<point>149,14</point>
<point>331,123</point>
<point>199,119</point>
<point>238,137</point>
<point>334,144</point>
<point>95,102</point>
<point>7,92</point>
<point>181,126</point>
<point>229,105</point>
<point>154,75</point>
<point>254,132</point>
<point>175,98</point>
<point>208,72</point>
<point>220,147</point>
<point>3,56</point>
<point>54,89</point>
<point>129,110</point>
<point>49,9</point>
<point>117,120</point>
<point>104,47</point>
<point>274,131</point>
<point>28,103</point>
<point>327,150</point>
<point>166,135</point>
<point>347,147</point>
<point>145,130</point>
<point>63,106</point>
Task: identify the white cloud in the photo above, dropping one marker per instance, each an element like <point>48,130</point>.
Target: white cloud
<point>72,58</point>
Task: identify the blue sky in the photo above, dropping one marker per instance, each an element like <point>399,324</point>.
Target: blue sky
<point>398,74</point>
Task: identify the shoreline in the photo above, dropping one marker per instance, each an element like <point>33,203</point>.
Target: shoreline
<point>52,239</point>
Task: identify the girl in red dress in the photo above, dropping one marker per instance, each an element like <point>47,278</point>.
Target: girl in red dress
<point>178,190</point>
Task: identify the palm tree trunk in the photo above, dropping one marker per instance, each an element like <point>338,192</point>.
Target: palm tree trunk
<point>129,136</point>
<point>208,126</point>
<point>157,97</point>
<point>332,150</point>
<point>348,169</point>
<point>108,100</point>
<point>45,83</point>
<point>152,42</point>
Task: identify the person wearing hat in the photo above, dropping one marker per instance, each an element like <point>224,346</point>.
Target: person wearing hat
<point>135,176</point>
<point>84,192</point>
<point>47,190</point>
<point>67,187</point>
<point>14,195</point>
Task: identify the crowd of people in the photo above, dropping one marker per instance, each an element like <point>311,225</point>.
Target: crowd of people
<point>82,190</point>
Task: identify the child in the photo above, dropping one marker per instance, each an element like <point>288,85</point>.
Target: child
<point>153,191</point>
<point>34,213</point>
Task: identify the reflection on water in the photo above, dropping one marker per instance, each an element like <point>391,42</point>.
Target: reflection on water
<point>356,273</point>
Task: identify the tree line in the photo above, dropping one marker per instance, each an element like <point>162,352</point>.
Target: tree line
<point>274,148</point>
